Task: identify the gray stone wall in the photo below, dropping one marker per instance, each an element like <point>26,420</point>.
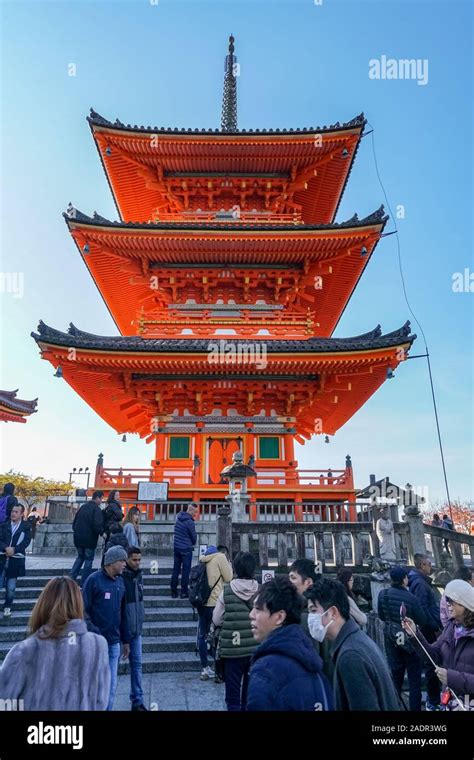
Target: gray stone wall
<point>156,538</point>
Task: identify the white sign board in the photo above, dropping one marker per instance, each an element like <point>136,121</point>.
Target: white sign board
<point>152,491</point>
<point>267,575</point>
<point>202,549</point>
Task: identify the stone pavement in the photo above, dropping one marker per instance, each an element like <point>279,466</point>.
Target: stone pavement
<point>173,691</point>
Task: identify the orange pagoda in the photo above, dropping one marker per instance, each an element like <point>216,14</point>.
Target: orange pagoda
<point>226,277</point>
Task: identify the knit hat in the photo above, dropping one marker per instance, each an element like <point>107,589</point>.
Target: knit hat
<point>461,592</point>
<point>397,574</point>
<point>114,554</point>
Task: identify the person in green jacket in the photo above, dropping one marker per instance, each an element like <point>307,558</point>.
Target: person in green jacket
<point>237,643</point>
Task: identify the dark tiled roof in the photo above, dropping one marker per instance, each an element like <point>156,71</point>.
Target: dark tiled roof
<point>385,488</point>
<point>76,338</point>
<point>9,399</point>
<point>98,120</point>
<point>73,214</point>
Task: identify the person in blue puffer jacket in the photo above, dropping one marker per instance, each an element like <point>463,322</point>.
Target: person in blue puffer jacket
<point>285,672</point>
<point>421,585</point>
<point>184,543</point>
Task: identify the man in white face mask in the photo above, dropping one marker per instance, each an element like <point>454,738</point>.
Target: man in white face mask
<point>362,680</point>
<point>316,624</point>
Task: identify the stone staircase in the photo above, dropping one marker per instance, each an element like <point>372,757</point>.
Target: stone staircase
<point>169,631</point>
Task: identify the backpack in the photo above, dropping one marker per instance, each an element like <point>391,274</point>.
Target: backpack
<point>3,508</point>
<point>393,630</point>
<point>199,589</point>
<point>108,519</point>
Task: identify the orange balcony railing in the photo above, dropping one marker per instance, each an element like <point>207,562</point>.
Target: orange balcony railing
<point>117,477</point>
<point>218,217</point>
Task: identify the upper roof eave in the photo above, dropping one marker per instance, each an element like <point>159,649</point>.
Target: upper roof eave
<point>96,120</point>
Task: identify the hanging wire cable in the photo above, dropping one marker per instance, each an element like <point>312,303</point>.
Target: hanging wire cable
<point>435,407</point>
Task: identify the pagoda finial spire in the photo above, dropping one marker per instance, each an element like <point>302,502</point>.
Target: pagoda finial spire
<point>229,99</point>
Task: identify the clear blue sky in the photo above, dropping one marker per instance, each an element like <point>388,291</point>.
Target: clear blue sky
<point>302,64</point>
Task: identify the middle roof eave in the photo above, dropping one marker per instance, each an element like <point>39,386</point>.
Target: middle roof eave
<point>134,344</point>
<point>75,218</point>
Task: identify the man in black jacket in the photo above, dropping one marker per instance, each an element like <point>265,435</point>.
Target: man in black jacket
<point>15,536</point>
<point>135,611</point>
<point>421,585</point>
<point>88,525</point>
<point>361,676</point>
<point>393,604</point>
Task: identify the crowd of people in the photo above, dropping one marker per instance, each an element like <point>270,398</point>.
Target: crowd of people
<point>295,643</point>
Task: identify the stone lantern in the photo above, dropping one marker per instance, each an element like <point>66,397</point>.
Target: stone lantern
<point>237,474</point>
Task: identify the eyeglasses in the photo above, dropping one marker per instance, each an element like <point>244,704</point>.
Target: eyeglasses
<point>449,601</point>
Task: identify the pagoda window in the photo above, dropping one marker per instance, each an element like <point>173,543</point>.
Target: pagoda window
<point>179,447</point>
<point>269,447</point>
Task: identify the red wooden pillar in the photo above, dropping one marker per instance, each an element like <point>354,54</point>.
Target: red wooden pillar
<point>290,464</point>
<point>298,508</point>
<point>159,455</point>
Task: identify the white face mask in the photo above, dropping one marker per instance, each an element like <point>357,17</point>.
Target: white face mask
<point>316,628</point>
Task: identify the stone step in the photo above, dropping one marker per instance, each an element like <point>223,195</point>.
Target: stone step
<point>167,615</point>
<point>150,644</point>
<point>165,662</point>
<point>13,631</point>
<point>33,592</point>
<point>179,659</point>
<point>169,630</point>
<point>149,579</point>
<point>53,572</point>
<point>151,602</point>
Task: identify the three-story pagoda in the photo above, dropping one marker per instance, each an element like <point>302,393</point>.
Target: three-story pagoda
<point>226,277</point>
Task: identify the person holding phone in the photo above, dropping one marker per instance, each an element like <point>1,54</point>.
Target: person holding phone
<point>453,650</point>
<point>393,605</point>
